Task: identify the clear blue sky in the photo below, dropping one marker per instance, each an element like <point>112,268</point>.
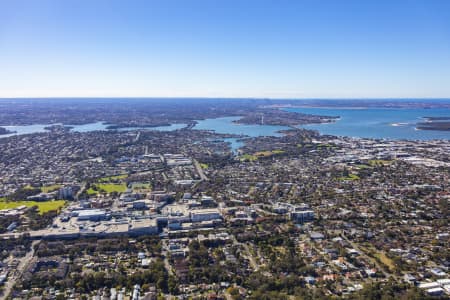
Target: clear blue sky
<point>293,49</point>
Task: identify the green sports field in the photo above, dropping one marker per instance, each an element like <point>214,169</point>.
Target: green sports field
<point>43,206</point>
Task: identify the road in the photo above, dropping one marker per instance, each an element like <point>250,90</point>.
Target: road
<point>247,254</point>
<point>23,262</point>
<point>200,170</point>
<point>165,253</point>
<point>82,188</point>
<point>250,257</point>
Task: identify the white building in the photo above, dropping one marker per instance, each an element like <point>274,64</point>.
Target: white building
<point>201,215</point>
<point>90,215</point>
<point>144,226</point>
<point>136,292</point>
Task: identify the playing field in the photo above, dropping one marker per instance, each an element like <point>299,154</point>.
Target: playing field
<point>107,188</point>
<point>43,206</point>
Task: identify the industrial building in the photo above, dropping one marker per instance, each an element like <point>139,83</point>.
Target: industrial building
<point>143,226</point>
<point>90,215</point>
<point>201,215</point>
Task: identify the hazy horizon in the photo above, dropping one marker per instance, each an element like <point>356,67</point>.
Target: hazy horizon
<point>238,98</point>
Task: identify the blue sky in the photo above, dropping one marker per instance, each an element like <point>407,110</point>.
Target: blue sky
<point>277,49</point>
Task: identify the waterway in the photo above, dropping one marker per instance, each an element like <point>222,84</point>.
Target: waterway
<point>384,123</point>
<point>380,123</point>
<point>38,128</point>
<point>227,125</point>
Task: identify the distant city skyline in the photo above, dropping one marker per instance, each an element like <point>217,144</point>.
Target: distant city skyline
<point>248,49</point>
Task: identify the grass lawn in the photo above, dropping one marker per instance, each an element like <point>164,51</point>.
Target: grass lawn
<point>112,178</point>
<point>107,188</point>
<point>43,206</point>
<point>91,191</point>
<point>141,186</point>
<point>324,145</point>
<point>248,157</point>
<point>263,153</point>
<point>50,188</point>
<point>362,166</point>
<point>28,187</point>
<point>380,256</point>
<point>204,166</point>
<point>385,260</point>
<point>278,151</point>
<point>256,155</point>
<point>269,153</point>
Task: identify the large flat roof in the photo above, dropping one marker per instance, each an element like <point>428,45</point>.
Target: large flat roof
<point>90,212</point>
